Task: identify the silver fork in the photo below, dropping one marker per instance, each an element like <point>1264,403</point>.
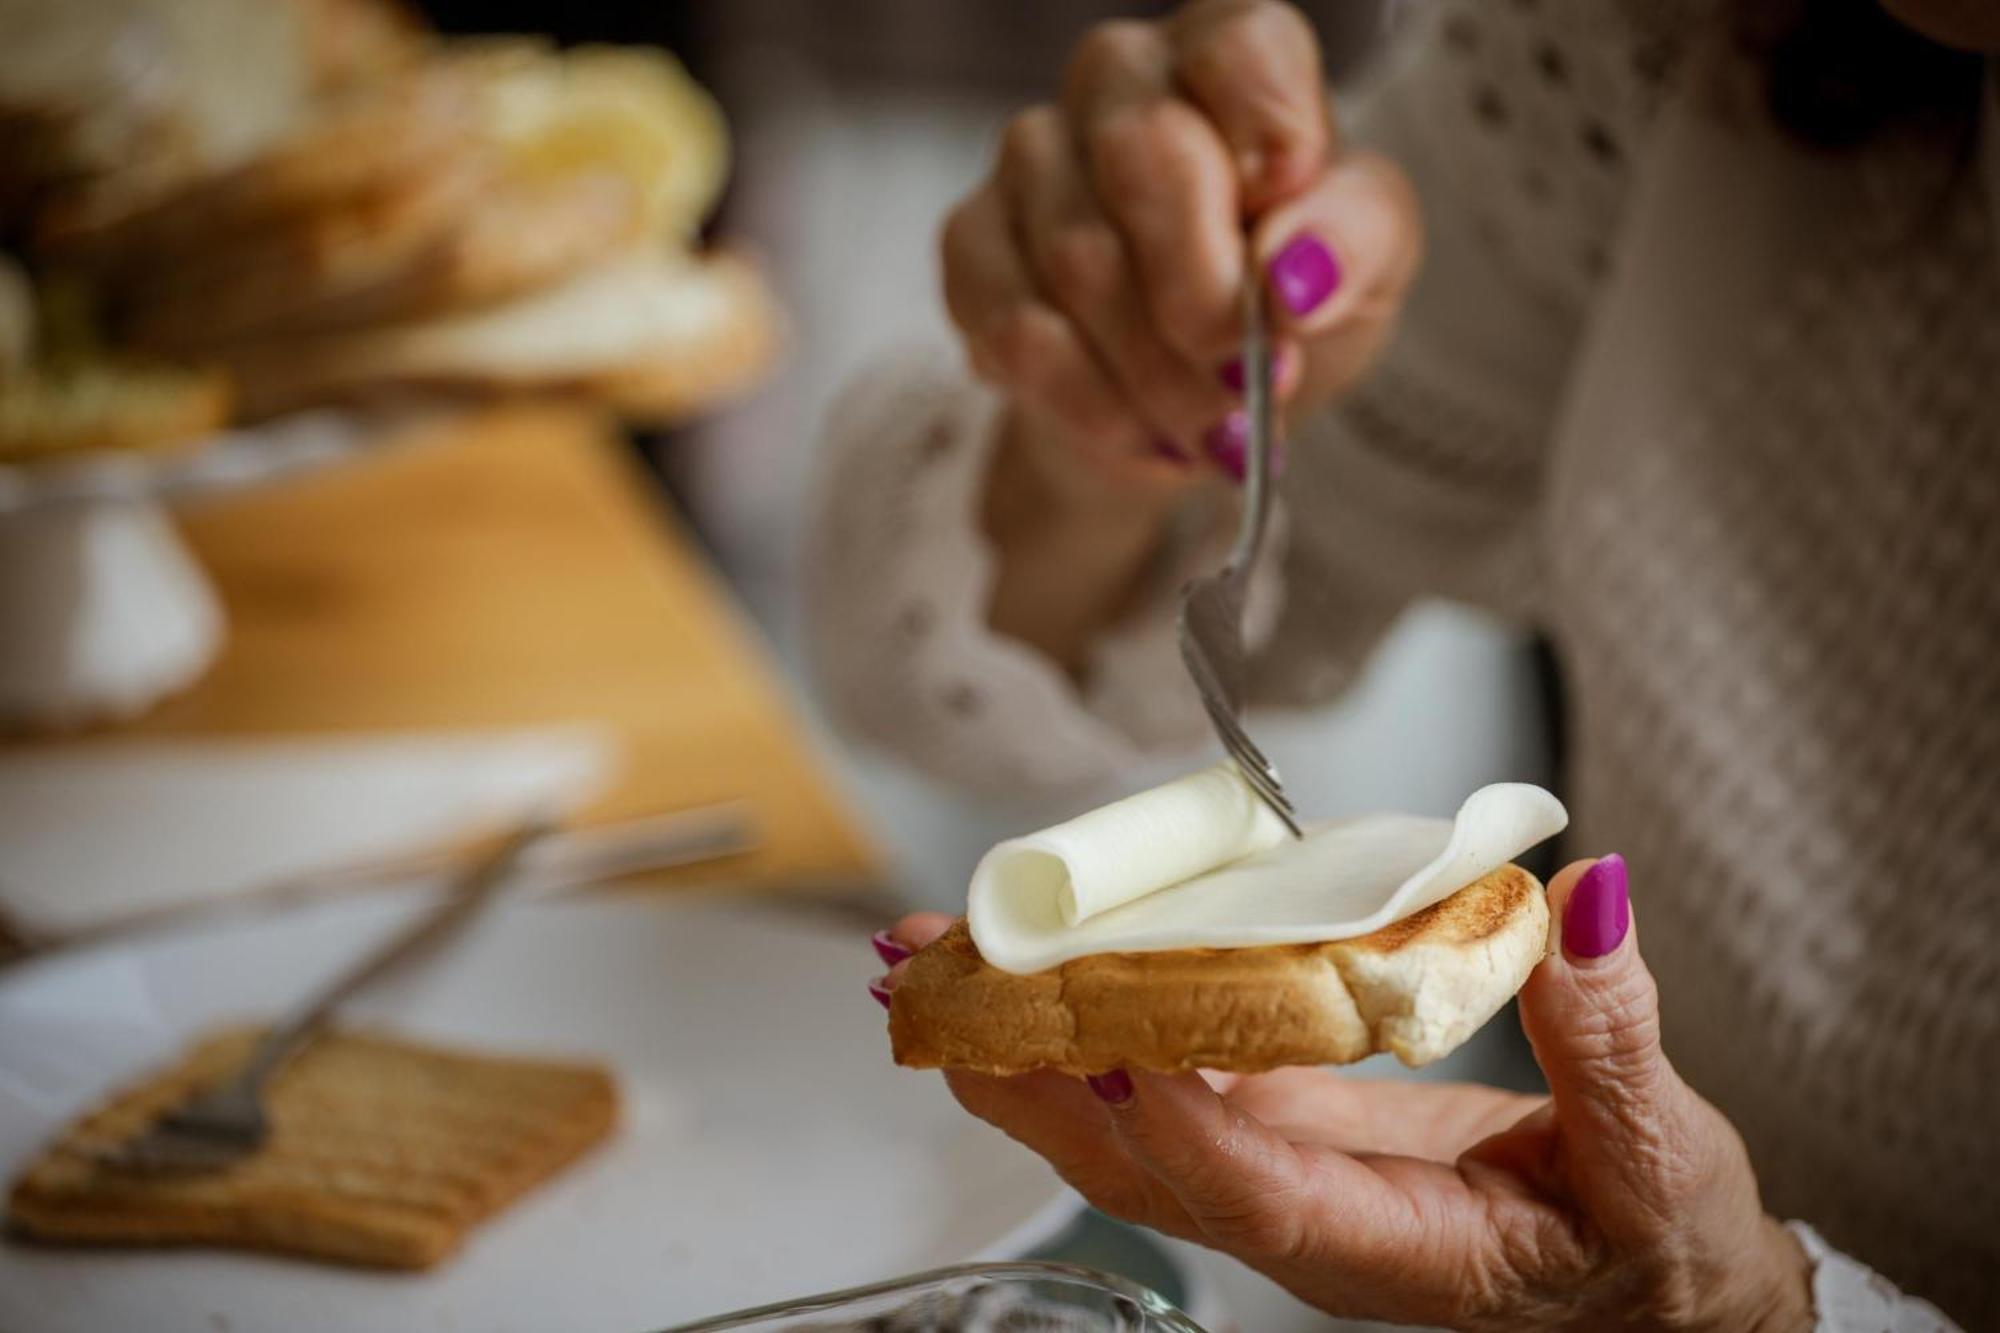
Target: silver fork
<point>1211,618</point>
<point>228,1122</point>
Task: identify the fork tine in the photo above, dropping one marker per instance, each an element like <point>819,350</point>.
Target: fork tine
<point>1244,750</point>
<point>1248,748</point>
<point>1256,770</point>
<point>1277,805</point>
<point>1266,790</point>
<point>1271,792</point>
<point>1227,724</point>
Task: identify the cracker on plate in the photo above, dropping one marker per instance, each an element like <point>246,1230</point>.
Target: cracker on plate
<point>384,1153</point>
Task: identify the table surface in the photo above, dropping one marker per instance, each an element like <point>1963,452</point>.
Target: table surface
<point>507,568</point>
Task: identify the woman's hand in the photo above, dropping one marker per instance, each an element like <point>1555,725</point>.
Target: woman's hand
<point>1097,274</point>
<point>1622,1199</point>
<point>1096,277</point>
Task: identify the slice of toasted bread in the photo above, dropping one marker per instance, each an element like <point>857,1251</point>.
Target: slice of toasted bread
<point>103,406</point>
<point>652,335</point>
<point>627,112</point>
<point>497,240</point>
<point>383,1153</point>
<point>1416,988</point>
<point>351,42</point>
<point>369,141</point>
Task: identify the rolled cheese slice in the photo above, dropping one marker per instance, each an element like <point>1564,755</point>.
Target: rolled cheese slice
<point>1200,864</point>
<point>1068,874</point>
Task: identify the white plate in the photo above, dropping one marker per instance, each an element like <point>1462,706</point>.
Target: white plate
<point>769,1149</point>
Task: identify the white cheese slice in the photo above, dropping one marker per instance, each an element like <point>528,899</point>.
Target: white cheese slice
<point>1200,864</point>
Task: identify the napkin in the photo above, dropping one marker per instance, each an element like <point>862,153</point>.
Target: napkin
<point>94,833</point>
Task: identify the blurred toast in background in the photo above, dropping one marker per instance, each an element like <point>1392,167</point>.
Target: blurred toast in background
<point>384,1153</point>
<point>95,403</point>
<point>652,336</point>
<point>320,201</point>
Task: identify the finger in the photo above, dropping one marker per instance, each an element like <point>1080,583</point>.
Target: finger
<point>1525,1150</point>
<point>1254,67</point>
<point>1286,370</point>
<point>1592,1013</point>
<point>1371,1235</point>
<point>1434,1121</point>
<point>910,934</point>
<point>898,944</point>
<point>1056,1118</point>
<point>1343,254</point>
<point>1015,339</point>
<point>1249,1191</point>
<point>1080,265</point>
<point>1163,174</point>
<point>1305,1106</point>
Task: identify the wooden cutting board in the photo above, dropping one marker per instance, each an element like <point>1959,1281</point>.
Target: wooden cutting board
<point>512,567</point>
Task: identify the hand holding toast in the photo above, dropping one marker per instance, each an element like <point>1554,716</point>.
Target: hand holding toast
<point>1622,1198</point>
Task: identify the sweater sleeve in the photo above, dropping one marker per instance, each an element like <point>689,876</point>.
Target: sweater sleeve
<point>899,580</point>
<point>1848,1298</point>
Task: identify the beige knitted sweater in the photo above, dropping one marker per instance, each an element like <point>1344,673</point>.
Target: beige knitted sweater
<point>1721,416</point>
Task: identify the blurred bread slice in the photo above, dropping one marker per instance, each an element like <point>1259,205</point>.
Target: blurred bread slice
<point>105,406</point>
<point>357,147</point>
<point>114,103</point>
<point>81,87</point>
<point>652,336</point>
<point>383,1153</point>
<point>17,319</point>
<point>499,167</point>
<point>477,241</point>
<point>1418,988</point>
<point>632,113</point>
<point>351,42</point>
<point>536,118</point>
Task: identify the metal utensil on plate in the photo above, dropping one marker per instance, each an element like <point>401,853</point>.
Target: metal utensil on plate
<point>567,860</point>
<point>1211,615</point>
<point>228,1122</point>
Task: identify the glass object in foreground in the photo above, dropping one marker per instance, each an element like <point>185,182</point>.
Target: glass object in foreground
<point>975,1298</point>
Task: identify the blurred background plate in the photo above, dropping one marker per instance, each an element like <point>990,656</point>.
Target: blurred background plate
<point>768,1147</point>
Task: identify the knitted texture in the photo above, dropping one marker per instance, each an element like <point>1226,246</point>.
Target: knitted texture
<point>1778,624</point>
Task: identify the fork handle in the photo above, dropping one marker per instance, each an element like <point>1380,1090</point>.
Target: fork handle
<point>474,889</point>
<point>1258,406</point>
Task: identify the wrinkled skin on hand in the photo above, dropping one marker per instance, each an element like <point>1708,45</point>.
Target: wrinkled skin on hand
<point>1622,1199</point>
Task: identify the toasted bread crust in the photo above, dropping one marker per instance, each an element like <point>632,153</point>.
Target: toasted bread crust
<point>384,1154</point>
<point>110,409</point>
<point>653,381</point>
<point>517,241</point>
<point>1416,988</point>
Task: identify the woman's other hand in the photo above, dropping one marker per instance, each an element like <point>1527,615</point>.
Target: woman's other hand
<point>1096,275</point>
<point>1622,1199</point>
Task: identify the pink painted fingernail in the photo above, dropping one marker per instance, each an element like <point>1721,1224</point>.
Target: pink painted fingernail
<point>890,952</point>
<point>1114,1087</point>
<point>1304,273</point>
<point>1232,372</point>
<point>879,991</point>
<point>1171,451</point>
<point>1599,911</point>
<point>1229,444</point>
